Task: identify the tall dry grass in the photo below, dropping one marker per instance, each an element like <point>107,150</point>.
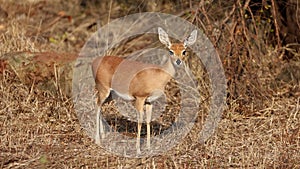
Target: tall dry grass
<point>39,128</point>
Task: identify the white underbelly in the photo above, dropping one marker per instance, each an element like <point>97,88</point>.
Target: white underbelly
<point>155,95</point>
<point>125,96</point>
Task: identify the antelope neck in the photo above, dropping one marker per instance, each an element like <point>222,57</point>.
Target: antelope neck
<point>169,67</point>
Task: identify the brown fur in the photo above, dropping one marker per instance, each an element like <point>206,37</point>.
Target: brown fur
<point>137,81</point>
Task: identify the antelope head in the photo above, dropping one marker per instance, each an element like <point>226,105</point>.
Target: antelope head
<point>177,51</point>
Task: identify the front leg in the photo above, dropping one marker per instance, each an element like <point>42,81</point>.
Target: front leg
<point>139,104</point>
<point>138,140</point>
<point>148,120</point>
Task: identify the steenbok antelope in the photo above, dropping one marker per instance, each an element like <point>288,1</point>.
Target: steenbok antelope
<point>137,81</point>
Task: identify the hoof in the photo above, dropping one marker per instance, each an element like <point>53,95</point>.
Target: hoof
<point>102,135</point>
<point>97,140</point>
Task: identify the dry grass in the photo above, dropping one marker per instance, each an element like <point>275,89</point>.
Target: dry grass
<point>260,127</point>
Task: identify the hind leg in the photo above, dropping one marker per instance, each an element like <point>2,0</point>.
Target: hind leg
<point>102,95</point>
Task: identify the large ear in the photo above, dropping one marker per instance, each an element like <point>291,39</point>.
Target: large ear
<point>163,37</point>
<point>191,39</point>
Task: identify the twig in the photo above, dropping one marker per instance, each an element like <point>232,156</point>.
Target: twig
<point>276,23</point>
<point>242,12</point>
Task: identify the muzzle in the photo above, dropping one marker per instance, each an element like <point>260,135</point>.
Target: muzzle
<point>178,62</point>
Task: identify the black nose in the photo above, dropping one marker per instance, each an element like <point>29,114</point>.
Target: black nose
<point>178,61</point>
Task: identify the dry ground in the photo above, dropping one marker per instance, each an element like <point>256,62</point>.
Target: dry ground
<point>40,129</point>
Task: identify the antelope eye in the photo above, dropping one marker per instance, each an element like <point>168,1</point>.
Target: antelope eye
<point>171,52</point>
<point>184,52</point>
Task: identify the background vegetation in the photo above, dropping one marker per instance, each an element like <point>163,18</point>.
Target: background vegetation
<point>258,43</point>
